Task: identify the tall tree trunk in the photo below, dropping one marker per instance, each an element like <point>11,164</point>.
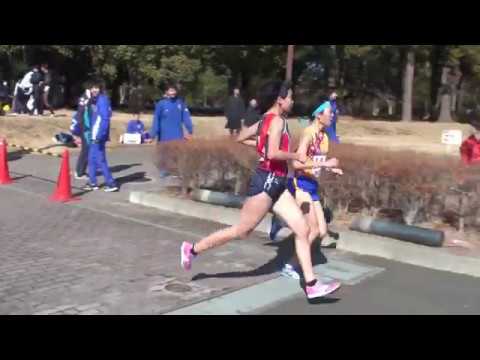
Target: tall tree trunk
<point>391,107</point>
<point>455,87</point>
<point>401,74</point>
<point>334,68</point>
<point>454,100</point>
<point>408,78</point>
<point>438,59</point>
<point>290,58</point>
<point>364,67</point>
<point>445,98</point>
<point>340,58</point>
<point>375,107</point>
<point>461,95</point>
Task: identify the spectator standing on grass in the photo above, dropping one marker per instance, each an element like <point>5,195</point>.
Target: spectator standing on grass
<point>45,88</point>
<point>172,120</point>
<point>235,112</point>
<point>37,79</point>
<point>136,99</point>
<point>17,106</point>
<point>252,116</point>
<point>4,96</point>
<point>24,93</point>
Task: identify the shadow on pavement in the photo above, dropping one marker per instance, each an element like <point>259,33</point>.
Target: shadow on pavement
<point>323,301</point>
<point>80,193</point>
<point>138,177</point>
<point>119,168</point>
<point>285,251</point>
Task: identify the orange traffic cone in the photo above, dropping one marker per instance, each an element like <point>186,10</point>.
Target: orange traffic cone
<point>4,173</point>
<point>63,192</point>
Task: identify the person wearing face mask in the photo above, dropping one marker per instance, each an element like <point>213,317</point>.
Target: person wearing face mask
<point>98,138</point>
<point>83,116</point>
<point>252,116</point>
<point>172,120</point>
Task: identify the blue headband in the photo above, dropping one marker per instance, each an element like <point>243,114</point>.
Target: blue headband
<point>321,109</point>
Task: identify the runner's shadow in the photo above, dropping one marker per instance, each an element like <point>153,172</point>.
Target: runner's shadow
<point>324,301</point>
<point>285,251</point>
<point>80,193</point>
<point>120,168</point>
<point>138,177</point>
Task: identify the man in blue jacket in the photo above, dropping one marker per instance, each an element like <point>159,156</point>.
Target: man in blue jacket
<point>98,138</point>
<point>170,119</point>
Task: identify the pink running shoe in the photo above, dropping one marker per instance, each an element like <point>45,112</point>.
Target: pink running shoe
<point>186,256</point>
<point>321,290</point>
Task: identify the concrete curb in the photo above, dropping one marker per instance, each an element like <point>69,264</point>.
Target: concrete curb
<point>194,209</point>
<point>433,258</point>
<point>355,242</point>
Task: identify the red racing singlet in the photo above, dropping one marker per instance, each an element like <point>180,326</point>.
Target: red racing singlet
<point>277,167</point>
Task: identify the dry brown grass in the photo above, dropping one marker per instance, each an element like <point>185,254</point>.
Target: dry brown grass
<point>421,137</point>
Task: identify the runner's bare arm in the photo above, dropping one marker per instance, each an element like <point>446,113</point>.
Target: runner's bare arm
<point>302,149</point>
<point>274,138</point>
<point>310,164</point>
<point>245,136</point>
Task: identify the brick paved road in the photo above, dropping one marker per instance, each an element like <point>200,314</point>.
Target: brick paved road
<point>64,259</point>
<point>103,255</point>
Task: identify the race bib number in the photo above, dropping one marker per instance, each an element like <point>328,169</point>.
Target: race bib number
<point>319,158</point>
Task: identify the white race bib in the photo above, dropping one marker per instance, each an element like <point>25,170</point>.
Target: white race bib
<point>318,158</point>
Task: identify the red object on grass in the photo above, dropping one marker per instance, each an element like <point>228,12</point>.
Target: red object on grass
<point>470,151</point>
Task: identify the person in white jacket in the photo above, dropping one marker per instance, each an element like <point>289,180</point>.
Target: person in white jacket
<point>24,90</point>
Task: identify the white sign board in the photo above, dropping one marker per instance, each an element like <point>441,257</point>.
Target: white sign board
<point>132,139</point>
<point>452,137</point>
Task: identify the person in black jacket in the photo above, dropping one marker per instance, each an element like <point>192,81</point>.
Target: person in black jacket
<point>235,111</point>
<point>4,96</point>
<point>253,114</point>
<point>37,79</point>
<point>136,99</point>
<point>46,86</point>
